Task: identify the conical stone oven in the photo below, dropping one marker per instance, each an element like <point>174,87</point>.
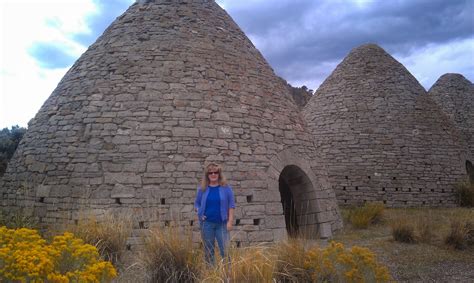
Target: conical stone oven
<point>454,94</point>
<point>168,86</point>
<point>382,137</point>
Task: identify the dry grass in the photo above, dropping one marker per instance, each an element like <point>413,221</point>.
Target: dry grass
<point>403,231</point>
<point>465,194</point>
<point>369,213</point>
<point>461,234</point>
<point>109,233</point>
<point>170,256</point>
<point>430,259</point>
<point>251,264</point>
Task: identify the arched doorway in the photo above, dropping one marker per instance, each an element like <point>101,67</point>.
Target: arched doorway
<point>470,171</point>
<point>298,199</point>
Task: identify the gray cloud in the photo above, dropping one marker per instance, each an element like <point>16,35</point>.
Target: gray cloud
<point>304,34</point>
<point>303,40</point>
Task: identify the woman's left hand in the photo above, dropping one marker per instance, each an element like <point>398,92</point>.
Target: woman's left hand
<point>229,225</point>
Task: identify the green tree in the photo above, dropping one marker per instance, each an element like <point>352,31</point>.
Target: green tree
<point>9,140</point>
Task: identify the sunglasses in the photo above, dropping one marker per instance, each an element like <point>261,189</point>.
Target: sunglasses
<point>211,173</point>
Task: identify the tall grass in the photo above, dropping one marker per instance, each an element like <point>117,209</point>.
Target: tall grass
<point>403,230</point>
<point>250,264</point>
<point>465,194</point>
<point>169,256</point>
<point>461,234</point>
<point>369,213</point>
<point>108,233</point>
<point>290,261</point>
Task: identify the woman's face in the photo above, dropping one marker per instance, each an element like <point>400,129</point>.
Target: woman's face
<point>213,175</point>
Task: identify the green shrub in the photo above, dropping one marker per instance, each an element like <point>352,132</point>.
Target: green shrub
<point>18,219</point>
<point>369,213</point>
<point>465,194</point>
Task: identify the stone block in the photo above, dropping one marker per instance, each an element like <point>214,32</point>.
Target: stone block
<point>260,236</point>
<point>42,191</point>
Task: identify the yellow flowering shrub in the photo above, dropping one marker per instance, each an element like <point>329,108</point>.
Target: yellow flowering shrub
<point>26,257</point>
<point>335,263</point>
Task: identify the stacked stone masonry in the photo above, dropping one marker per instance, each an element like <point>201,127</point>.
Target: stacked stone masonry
<point>169,86</point>
<point>382,137</point>
<point>173,84</point>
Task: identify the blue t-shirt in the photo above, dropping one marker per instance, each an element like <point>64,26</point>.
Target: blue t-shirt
<point>213,205</point>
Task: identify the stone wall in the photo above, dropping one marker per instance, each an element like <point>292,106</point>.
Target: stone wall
<point>167,87</point>
<point>382,137</point>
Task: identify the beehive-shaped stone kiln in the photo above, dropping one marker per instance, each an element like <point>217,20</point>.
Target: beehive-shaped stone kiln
<point>381,136</point>
<point>168,86</point>
<point>454,94</point>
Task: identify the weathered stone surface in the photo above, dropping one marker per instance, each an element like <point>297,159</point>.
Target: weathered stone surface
<point>377,129</point>
<point>454,94</point>
<point>132,123</point>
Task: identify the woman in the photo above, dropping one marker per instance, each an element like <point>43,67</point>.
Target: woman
<point>215,206</point>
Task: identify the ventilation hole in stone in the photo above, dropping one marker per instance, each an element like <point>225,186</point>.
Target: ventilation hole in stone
<point>357,188</point>
<point>442,190</point>
<point>424,202</point>
<point>432,190</point>
<point>396,189</point>
<point>191,223</point>
<point>238,244</point>
<point>41,199</point>
<point>439,178</point>
<point>384,202</point>
<point>383,189</point>
<point>347,177</point>
<point>365,200</point>
<point>249,198</point>
<point>141,225</point>
<point>167,223</point>
<point>256,222</point>
<point>237,222</point>
<point>440,201</point>
<point>420,189</point>
<point>343,188</point>
<point>368,177</point>
<point>405,202</point>
<point>409,189</point>
<point>394,178</point>
<point>117,201</point>
<point>129,247</point>
<point>162,201</point>
<point>345,201</point>
<point>418,178</point>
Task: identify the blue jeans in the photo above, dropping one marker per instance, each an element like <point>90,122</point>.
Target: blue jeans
<point>210,232</point>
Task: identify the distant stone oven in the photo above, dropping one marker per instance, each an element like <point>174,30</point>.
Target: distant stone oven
<point>171,85</point>
<point>383,138</point>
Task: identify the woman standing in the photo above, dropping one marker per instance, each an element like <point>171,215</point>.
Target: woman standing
<point>215,206</point>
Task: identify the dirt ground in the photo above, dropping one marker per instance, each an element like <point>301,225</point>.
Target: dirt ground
<point>417,262</point>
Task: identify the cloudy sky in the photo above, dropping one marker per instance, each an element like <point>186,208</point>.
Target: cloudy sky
<point>303,40</point>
